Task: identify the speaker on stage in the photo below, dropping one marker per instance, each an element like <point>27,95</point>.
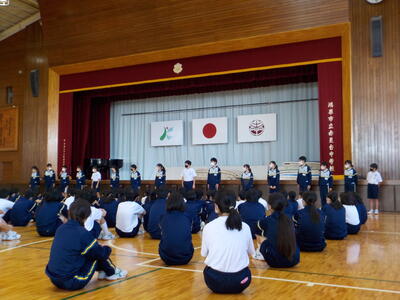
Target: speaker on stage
<point>117,163</point>
<point>35,82</point>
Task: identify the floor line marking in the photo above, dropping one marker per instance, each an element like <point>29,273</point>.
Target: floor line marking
<point>24,245</point>
<point>129,250</point>
<point>308,283</point>
<point>381,232</point>
<point>148,261</point>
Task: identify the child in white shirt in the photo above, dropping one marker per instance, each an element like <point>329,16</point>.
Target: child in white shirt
<point>374,178</point>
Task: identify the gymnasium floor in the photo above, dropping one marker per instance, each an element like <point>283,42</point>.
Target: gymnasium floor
<point>365,266</point>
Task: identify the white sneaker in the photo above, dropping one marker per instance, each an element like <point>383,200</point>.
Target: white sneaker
<point>106,236</point>
<point>102,275</point>
<point>376,212</point>
<point>10,236</point>
<point>119,274</point>
<point>258,255</point>
<point>371,211</point>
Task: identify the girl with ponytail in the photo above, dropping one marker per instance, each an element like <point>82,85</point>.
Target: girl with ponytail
<point>277,234</point>
<point>227,244</point>
<point>310,225</point>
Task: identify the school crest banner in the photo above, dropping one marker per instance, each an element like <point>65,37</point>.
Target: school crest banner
<point>167,133</point>
<point>256,128</point>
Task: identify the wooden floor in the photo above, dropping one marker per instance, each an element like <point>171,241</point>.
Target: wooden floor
<point>365,266</point>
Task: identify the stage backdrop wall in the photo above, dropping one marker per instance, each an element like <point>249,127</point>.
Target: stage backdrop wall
<point>296,106</point>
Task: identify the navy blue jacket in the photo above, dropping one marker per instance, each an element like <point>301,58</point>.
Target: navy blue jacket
<point>325,179</point>
<point>251,213</point>
<point>362,213</point>
<point>64,179</point>
<point>335,222</point>
<point>310,236</point>
<point>80,179</point>
<point>35,181</point>
<point>111,209</point>
<point>49,178</point>
<point>209,213</point>
<point>47,217</point>
<point>160,179</point>
<point>268,227</point>
<point>350,176</point>
<point>176,246</point>
<point>214,176</point>
<point>114,180</point>
<point>193,211</point>
<point>147,207</point>
<point>274,177</point>
<point>72,247</point>
<point>136,180</point>
<point>157,211</point>
<point>22,212</point>
<point>247,181</point>
<point>291,208</point>
<point>304,176</point>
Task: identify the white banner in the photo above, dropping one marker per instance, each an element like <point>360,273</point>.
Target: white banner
<point>256,128</point>
<point>167,133</point>
<point>210,131</point>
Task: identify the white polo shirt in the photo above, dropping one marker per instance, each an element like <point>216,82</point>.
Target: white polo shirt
<point>95,215</point>
<point>374,177</point>
<point>69,201</point>
<point>5,206</point>
<point>352,216</point>
<point>96,176</point>
<point>226,250</point>
<point>263,202</point>
<point>127,215</point>
<point>188,174</point>
<point>300,202</point>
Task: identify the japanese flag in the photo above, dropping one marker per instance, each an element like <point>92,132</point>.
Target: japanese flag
<point>210,131</point>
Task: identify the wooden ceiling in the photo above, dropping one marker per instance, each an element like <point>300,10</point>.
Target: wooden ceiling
<point>15,15</point>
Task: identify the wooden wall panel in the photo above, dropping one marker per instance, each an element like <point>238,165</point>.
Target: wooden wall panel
<point>376,89</point>
<point>77,32</point>
<point>18,55</point>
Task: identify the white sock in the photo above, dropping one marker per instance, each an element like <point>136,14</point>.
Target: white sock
<point>104,226</point>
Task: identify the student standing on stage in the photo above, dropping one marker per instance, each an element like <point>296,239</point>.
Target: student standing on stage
<point>128,216</point>
<point>49,177</point>
<point>325,182</point>
<point>247,178</point>
<point>80,178</point>
<point>176,246</point>
<point>157,212</point>
<point>304,175</point>
<point>276,234</point>
<point>136,179</point>
<point>64,179</point>
<point>114,178</point>
<point>34,182</point>
<point>273,177</point>
<point>214,175</point>
<point>188,176</point>
<point>75,255</point>
<point>227,244</point>
<point>96,179</point>
<point>160,179</point>
<point>350,177</point>
<point>50,214</point>
<point>335,218</point>
<point>310,225</point>
<point>374,179</point>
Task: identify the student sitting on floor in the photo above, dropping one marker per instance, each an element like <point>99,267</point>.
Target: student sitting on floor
<point>310,225</point>
<point>362,210</point>
<point>193,209</point>
<point>5,204</point>
<point>277,237</point>
<point>147,203</point>
<point>23,209</point>
<point>75,254</point>
<point>110,205</point>
<point>300,202</point>
<point>292,206</point>
<point>335,218</point>
<point>251,211</point>
<point>352,217</point>
<point>6,232</point>
<point>157,211</point>
<point>128,216</point>
<point>261,200</point>
<point>176,246</point>
<point>209,211</point>
<point>226,245</point>
<point>50,214</point>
